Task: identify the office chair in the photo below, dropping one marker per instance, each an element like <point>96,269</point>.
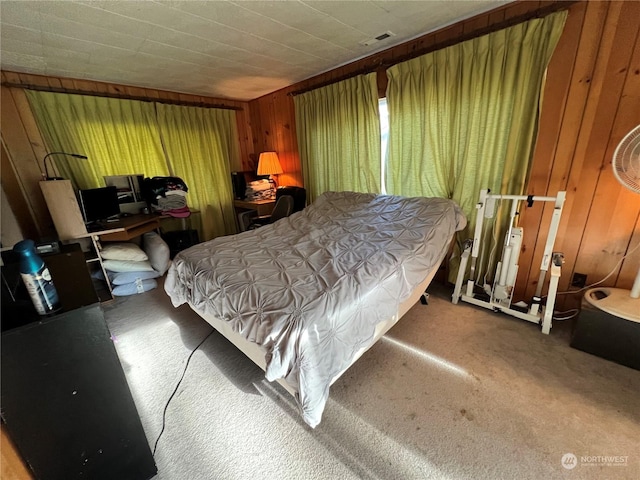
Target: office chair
<point>283,208</point>
<point>299,195</point>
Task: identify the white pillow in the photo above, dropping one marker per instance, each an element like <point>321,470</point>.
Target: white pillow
<point>157,250</point>
<point>134,287</point>
<point>127,266</point>
<point>123,251</point>
<point>122,278</point>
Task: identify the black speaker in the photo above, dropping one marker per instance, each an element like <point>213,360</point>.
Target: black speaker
<point>601,330</point>
<point>180,240</point>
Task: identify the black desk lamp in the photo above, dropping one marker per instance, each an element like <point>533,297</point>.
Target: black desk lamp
<point>44,161</point>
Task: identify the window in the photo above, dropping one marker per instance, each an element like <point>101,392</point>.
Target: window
<point>384,141</point>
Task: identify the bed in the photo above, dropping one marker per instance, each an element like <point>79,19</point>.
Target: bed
<point>306,296</point>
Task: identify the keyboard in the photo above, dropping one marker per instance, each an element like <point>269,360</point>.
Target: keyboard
<point>94,228</point>
<point>98,227</point>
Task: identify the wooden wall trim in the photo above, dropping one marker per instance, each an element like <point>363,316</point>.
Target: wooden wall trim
<point>113,90</point>
<point>41,88</point>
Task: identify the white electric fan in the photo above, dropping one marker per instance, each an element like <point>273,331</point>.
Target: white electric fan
<point>626,168</point>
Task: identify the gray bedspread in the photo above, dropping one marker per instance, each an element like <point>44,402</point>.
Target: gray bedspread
<point>310,288</point>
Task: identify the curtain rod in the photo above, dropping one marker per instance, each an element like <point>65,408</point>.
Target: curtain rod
<point>42,88</point>
<point>380,64</point>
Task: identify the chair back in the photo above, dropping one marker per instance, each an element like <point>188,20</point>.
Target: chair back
<point>299,195</point>
<point>283,208</point>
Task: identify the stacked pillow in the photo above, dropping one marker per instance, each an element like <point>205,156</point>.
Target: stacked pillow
<point>157,251</point>
<point>128,268</point>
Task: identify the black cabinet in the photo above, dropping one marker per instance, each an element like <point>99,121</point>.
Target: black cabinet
<point>599,332</point>
<point>179,240</point>
<point>71,277</point>
<point>66,402</point>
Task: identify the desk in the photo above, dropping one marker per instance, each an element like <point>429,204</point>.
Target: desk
<point>123,230</point>
<point>127,228</point>
<point>263,207</point>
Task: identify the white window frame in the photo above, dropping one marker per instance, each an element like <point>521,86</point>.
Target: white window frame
<point>384,141</point>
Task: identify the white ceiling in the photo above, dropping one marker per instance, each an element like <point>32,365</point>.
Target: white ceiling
<point>229,49</point>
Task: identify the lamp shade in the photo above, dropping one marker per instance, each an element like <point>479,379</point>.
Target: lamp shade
<point>268,164</point>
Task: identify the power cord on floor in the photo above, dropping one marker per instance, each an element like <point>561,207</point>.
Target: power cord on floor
<point>164,413</point>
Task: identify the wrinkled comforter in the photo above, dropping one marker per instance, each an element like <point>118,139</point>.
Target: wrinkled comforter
<point>310,288</point>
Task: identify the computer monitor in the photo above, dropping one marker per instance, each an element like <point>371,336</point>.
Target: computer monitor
<point>99,204</point>
<point>240,180</point>
<point>239,184</point>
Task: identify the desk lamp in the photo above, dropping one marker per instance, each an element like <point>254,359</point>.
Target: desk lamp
<point>268,164</point>
<point>46,170</point>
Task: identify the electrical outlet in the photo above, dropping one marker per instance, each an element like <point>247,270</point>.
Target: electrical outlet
<point>579,280</point>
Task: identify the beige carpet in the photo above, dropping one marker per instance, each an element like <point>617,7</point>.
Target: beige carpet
<point>452,392</point>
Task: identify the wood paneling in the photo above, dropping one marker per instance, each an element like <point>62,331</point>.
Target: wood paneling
<point>26,148</point>
<point>590,102</point>
<point>16,200</point>
<point>600,106</point>
<point>12,467</point>
<point>274,121</point>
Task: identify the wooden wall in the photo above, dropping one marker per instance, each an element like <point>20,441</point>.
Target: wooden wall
<point>12,466</point>
<point>591,99</point>
<point>23,148</point>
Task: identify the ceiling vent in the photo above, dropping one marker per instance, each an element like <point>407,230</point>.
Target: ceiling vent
<point>379,38</point>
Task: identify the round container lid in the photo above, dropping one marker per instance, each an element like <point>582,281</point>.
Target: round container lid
<point>615,301</point>
<point>24,246</point>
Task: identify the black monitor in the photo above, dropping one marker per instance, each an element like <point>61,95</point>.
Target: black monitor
<point>239,183</point>
<point>99,204</point>
<point>240,180</point>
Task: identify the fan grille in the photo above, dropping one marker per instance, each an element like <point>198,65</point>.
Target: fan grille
<point>626,161</point>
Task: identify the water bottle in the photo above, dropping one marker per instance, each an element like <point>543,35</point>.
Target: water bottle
<point>37,278</point>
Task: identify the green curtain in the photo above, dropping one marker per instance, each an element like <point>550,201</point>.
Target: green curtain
<point>464,118</point>
<point>200,142</point>
<point>338,130</point>
<point>124,137</point>
<point>120,137</point>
